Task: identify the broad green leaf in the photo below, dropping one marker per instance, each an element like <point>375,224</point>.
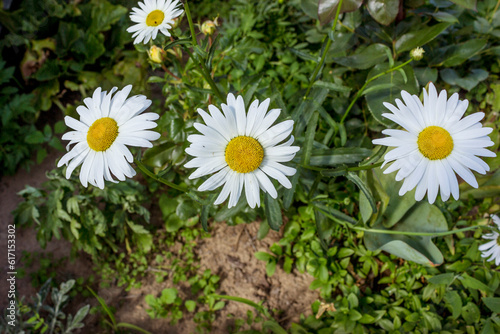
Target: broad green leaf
<point>493,303</point>
<point>274,327</point>
<point>452,298</point>
<point>328,8</point>
<point>397,206</point>
<point>263,256</point>
<point>273,212</point>
<point>383,11</point>
<point>467,82</point>
<point>445,17</point>
<point>365,58</point>
<point>419,37</point>
<point>392,84</point>
<point>190,305</point>
<point>442,279</point>
<point>420,249</point>
<point>473,283</point>
<point>471,313</point>
<point>462,52</point>
<point>168,295</point>
<point>469,4</point>
<point>36,137</point>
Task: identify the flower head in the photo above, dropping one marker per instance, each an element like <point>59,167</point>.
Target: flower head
<point>105,127</point>
<point>151,17</point>
<point>242,150</point>
<point>417,53</point>
<point>492,248</point>
<point>209,27</point>
<point>156,54</point>
<point>437,144</point>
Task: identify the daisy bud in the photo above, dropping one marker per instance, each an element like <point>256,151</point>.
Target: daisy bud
<point>156,54</point>
<point>417,53</point>
<point>208,27</point>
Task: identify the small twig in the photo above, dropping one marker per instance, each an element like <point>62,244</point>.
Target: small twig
<point>169,72</point>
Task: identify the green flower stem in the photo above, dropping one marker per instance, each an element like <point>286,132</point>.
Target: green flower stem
<point>358,94</point>
<point>325,51</point>
<point>190,21</point>
<point>423,234</point>
<point>152,175</point>
<point>206,74</point>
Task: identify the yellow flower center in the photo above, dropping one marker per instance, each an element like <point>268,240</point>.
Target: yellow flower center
<point>244,154</point>
<point>155,18</point>
<point>435,143</point>
<point>102,133</point>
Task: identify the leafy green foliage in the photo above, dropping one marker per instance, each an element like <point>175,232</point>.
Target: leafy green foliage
<point>65,208</point>
<point>42,317</point>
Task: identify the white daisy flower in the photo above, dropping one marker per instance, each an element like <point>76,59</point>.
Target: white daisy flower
<point>492,248</point>
<point>436,145</point>
<point>242,149</point>
<point>106,125</point>
<point>153,16</point>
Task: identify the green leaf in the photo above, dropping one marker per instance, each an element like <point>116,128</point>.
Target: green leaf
<point>59,127</point>
<point>420,249</point>
<point>365,57</point>
<point>219,305</point>
<point>337,156</point>
<point>383,11</point>
<point>274,327</point>
<point>467,82</point>
<point>473,283</point>
<point>458,54</point>
<point>471,313</point>
<point>469,4</point>
<point>41,154</point>
<point>263,256</point>
<point>273,212</point>
<point>389,86</point>
<point>333,213</point>
<point>442,279</point>
<point>364,188</point>
<point>493,303</point>
<point>168,296</point>
<point>36,137</point>
<point>204,216</point>
<point>452,298</point>
<point>190,305</point>
<point>328,8</point>
<point>332,86</point>
<point>270,268</point>
<point>419,37</point>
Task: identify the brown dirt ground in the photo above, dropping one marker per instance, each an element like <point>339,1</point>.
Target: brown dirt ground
<point>229,253</point>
